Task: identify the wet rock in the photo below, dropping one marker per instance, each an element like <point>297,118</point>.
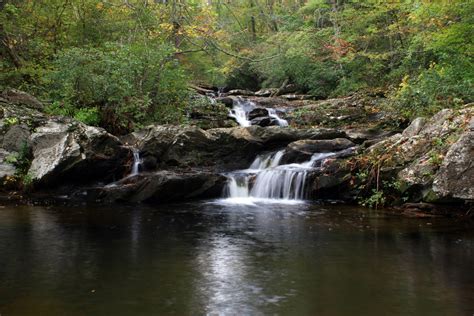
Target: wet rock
<point>227,101</point>
<point>264,121</point>
<point>227,148</point>
<point>149,163</point>
<point>257,112</point>
<point>162,186</point>
<point>302,150</point>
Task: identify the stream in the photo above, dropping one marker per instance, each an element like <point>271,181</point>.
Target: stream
<point>218,258</point>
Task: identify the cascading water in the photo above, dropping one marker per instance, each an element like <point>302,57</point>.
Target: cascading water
<point>240,110</point>
<point>273,113</point>
<point>267,180</point>
<point>136,163</point>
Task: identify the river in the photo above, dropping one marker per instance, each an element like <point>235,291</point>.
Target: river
<point>223,259</point>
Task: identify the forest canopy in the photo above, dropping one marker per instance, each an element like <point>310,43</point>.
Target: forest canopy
<point>123,63</point>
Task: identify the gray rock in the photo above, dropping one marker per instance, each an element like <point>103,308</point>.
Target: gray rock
<point>71,152</point>
<point>6,168</point>
<point>16,138</point>
<point>264,121</point>
<point>302,150</point>
<point>162,186</point>
<point>415,127</point>
<point>320,146</point>
<point>293,97</point>
<point>455,178</point>
<point>266,92</point>
<point>228,148</point>
<point>18,97</point>
<point>360,135</point>
<point>227,101</point>
<point>240,92</point>
<point>257,112</point>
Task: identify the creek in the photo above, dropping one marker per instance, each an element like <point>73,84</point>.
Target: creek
<point>216,258</point>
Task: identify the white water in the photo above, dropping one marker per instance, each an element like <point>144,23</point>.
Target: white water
<point>268,181</point>
<point>136,163</point>
<point>241,108</point>
<point>272,113</point>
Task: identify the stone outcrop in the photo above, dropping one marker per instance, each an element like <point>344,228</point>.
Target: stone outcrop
<point>57,150</point>
<point>222,148</point>
<point>302,150</point>
<point>69,151</point>
<point>430,161</point>
<point>455,177</point>
<point>161,186</point>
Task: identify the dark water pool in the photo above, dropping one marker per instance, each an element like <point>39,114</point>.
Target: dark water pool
<point>208,258</point>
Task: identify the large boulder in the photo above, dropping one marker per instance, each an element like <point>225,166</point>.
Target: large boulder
<point>188,146</point>
<point>431,160</point>
<point>455,177</point>
<point>222,148</point>
<point>302,150</point>
<point>66,151</point>
<point>17,138</point>
<point>162,186</point>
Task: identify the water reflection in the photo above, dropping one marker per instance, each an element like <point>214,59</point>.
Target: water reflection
<point>210,258</point>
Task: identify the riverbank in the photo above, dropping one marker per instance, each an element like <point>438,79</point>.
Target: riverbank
<point>367,158</point>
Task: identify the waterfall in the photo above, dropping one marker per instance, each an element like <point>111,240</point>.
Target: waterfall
<point>268,180</point>
<point>136,162</point>
<point>273,114</point>
<point>240,110</point>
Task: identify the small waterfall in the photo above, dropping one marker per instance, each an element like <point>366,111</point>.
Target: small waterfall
<point>136,162</point>
<point>267,180</point>
<point>273,114</point>
<point>267,161</point>
<point>240,110</point>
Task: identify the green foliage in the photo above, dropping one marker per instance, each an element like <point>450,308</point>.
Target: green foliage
<point>9,121</point>
<point>122,64</point>
<point>439,86</point>
<point>89,116</point>
<point>21,160</point>
<point>374,200</point>
<point>121,87</point>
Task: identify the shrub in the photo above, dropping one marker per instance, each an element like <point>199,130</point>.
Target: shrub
<point>120,87</point>
<point>439,86</point>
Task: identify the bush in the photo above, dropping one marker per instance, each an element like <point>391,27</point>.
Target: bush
<point>439,86</point>
<point>119,87</point>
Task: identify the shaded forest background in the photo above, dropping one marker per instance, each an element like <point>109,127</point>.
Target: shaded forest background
<point>122,64</point>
